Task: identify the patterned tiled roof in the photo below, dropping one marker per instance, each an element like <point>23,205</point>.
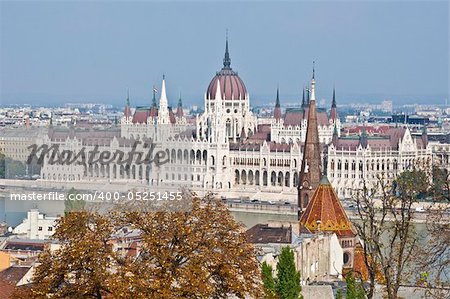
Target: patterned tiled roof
<point>325,207</point>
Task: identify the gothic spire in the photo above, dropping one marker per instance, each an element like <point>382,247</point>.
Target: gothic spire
<point>226,59</point>
<point>333,113</point>
<point>277,111</point>
<point>333,104</point>
<point>363,139</point>
<point>310,172</point>
<point>154,97</point>
<point>335,138</point>
<point>303,98</point>
<point>180,103</point>
<point>127,111</point>
<point>313,74</point>
<point>180,107</point>
<point>277,103</point>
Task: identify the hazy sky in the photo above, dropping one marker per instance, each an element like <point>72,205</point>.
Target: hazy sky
<point>93,51</point>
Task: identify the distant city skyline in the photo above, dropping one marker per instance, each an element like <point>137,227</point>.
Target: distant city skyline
<point>52,53</point>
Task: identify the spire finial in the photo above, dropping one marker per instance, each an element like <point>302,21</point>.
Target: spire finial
<point>313,75</point>
<point>226,59</point>
<point>364,132</point>
<point>180,103</point>
<point>154,97</point>
<point>277,104</point>
<point>128,97</point>
<point>333,104</point>
<point>303,98</point>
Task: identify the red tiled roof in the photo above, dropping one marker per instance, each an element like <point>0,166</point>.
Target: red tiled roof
<point>395,134</point>
<point>347,143</point>
<point>141,115</point>
<point>263,234</point>
<point>172,116</point>
<point>294,117</point>
<point>279,147</point>
<point>325,206</point>
<point>6,289</point>
<point>153,112</point>
<point>13,274</point>
<point>371,130</point>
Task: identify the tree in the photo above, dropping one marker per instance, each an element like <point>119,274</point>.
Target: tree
<point>268,281</point>
<point>200,253</point>
<point>386,228</point>
<point>435,255</point>
<point>440,188</point>
<point>72,204</point>
<point>288,278</point>
<point>80,268</point>
<point>197,253</point>
<point>355,290</point>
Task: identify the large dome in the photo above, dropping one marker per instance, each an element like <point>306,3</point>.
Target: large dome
<point>231,85</point>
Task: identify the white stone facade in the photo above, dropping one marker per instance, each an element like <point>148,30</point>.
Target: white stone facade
<point>36,226</point>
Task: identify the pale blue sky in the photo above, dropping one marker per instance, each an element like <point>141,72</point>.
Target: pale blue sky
<point>94,51</point>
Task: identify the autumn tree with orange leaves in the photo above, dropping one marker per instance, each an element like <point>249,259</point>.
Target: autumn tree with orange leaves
<point>198,253</point>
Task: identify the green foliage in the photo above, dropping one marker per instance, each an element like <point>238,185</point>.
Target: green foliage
<point>268,281</point>
<point>355,289</point>
<point>73,205</point>
<point>339,294</point>
<point>412,183</point>
<point>11,168</point>
<point>288,278</point>
<point>440,189</point>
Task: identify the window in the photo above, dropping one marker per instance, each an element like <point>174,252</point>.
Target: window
<point>40,228</point>
<point>346,257</point>
<point>50,228</point>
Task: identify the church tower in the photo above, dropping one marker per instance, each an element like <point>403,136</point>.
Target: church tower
<point>310,172</point>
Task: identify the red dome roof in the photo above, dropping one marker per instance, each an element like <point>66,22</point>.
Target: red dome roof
<point>231,85</point>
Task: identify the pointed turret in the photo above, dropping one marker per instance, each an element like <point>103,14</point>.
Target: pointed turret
<point>335,139</point>
<point>243,134</point>
<point>218,95</point>
<point>310,172</point>
<point>127,110</point>
<point>364,138</point>
<point>180,107</point>
<point>154,97</point>
<point>277,111</point>
<point>333,113</point>
<point>163,112</point>
<point>154,106</point>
